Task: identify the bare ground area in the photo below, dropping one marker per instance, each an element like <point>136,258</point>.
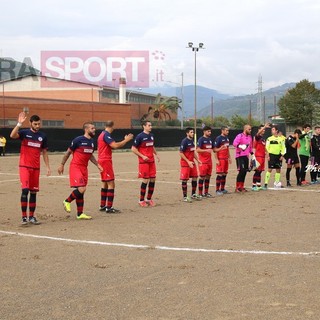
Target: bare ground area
<point>236,256</point>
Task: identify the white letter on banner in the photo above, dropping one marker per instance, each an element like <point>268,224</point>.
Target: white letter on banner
<point>102,69</point>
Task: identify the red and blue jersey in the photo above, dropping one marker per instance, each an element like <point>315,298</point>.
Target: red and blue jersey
<point>205,143</point>
<point>104,149</point>
<point>32,143</point>
<point>144,143</point>
<point>220,141</point>
<point>259,144</point>
<point>187,148</point>
<point>82,149</point>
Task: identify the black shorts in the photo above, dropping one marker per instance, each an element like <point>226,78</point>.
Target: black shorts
<point>242,163</point>
<point>292,159</point>
<point>274,162</point>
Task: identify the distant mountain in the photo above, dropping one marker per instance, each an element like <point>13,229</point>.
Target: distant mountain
<point>204,96</point>
<point>241,105</point>
<point>12,69</point>
<point>225,104</point>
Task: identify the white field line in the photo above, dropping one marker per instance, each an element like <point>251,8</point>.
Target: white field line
<point>163,248</point>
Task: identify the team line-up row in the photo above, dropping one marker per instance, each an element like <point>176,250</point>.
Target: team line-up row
<point>195,162</point>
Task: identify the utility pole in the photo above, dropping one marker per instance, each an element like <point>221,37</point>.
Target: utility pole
<point>264,109</point>
<point>259,100</point>
<point>212,101</point>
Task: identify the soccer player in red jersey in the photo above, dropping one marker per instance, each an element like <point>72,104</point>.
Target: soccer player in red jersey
<point>188,167</point>
<point>204,150</point>
<point>33,143</point>
<point>259,146</point>
<point>223,159</point>
<point>105,145</point>
<point>82,149</point>
<point>143,147</point>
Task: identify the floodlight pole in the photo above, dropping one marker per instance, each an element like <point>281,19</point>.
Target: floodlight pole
<point>195,49</point>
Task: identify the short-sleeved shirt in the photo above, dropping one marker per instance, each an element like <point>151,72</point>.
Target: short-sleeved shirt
<point>104,149</point>
<point>205,143</point>
<point>82,149</point>
<point>219,142</point>
<point>187,148</point>
<point>32,143</point>
<point>275,145</point>
<point>144,142</point>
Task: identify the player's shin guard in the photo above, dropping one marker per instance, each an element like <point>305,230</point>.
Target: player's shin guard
<point>223,182</point>
<point>267,177</point>
<point>256,181</point>
<point>150,189</point>
<point>194,186</point>
<point>218,182</point>
<point>143,189</point>
<point>277,177</point>
<point>75,194</point>
<point>80,204</point>
<point>200,186</point>
<point>298,175</point>
<point>24,202</point>
<point>184,188</point>
<point>110,197</point>
<point>103,197</point>
<point>206,185</point>
<point>32,203</point>
<point>288,174</point>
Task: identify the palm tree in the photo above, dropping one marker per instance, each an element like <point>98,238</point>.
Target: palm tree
<point>161,107</point>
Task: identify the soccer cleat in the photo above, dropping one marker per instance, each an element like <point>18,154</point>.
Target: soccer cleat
<point>224,191</point>
<point>143,204</point>
<point>33,220</point>
<point>289,184</point>
<point>208,195</point>
<point>112,210</point>
<point>304,183</point>
<point>196,197</point>
<point>219,193</point>
<point>238,190</point>
<point>187,199</point>
<point>244,190</point>
<point>255,188</point>
<point>103,208</point>
<point>151,203</point>
<point>67,206</point>
<point>265,187</point>
<point>84,216</point>
<point>24,221</point>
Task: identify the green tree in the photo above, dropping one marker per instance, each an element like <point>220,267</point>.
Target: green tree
<point>237,122</point>
<point>162,108</point>
<point>217,122</point>
<point>301,104</point>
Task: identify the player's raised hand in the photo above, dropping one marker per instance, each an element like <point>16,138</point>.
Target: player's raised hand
<point>22,117</point>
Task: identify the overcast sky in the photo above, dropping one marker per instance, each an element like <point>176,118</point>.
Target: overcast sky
<point>278,39</point>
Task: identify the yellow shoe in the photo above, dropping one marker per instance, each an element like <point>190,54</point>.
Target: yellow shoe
<point>83,216</point>
<point>67,206</point>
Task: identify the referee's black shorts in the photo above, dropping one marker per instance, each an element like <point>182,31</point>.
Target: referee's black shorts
<point>274,162</point>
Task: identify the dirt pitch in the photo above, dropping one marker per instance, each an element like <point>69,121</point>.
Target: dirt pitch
<point>237,256</point>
